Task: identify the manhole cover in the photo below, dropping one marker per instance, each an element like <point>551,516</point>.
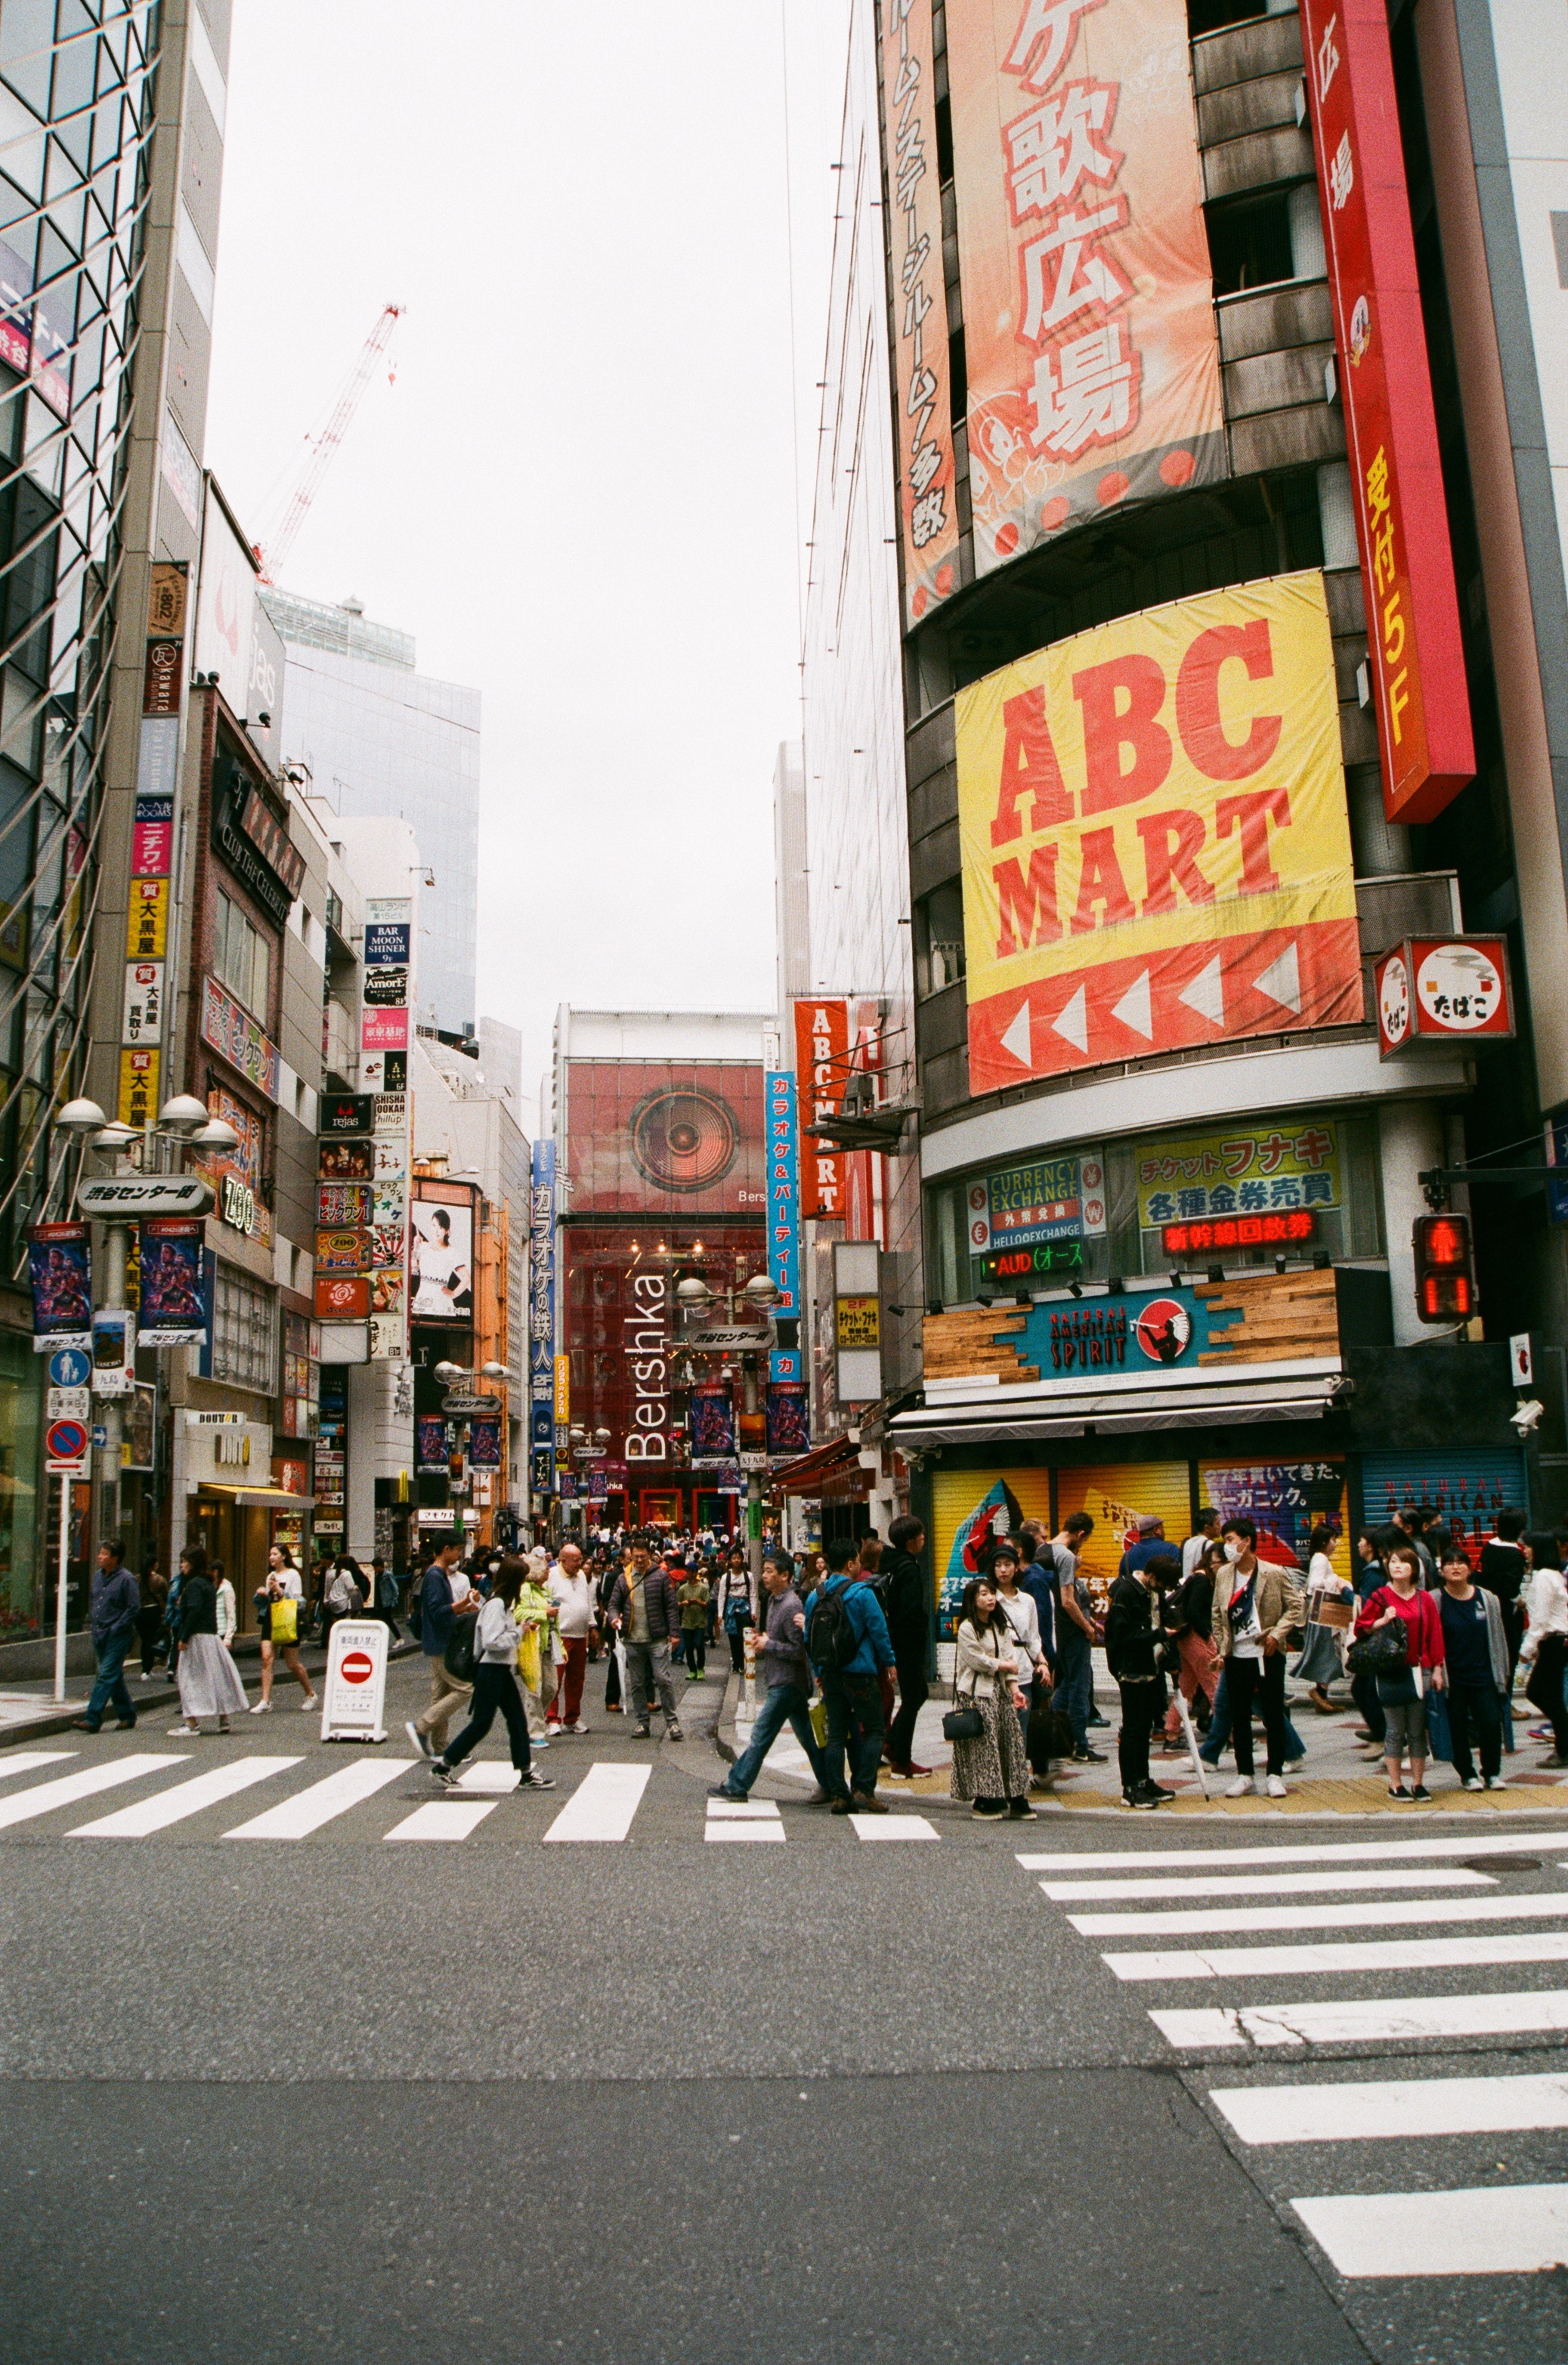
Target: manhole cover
<point>1500,1863</point>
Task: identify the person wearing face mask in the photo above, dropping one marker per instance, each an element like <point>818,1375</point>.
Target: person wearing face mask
<point>1255,1605</point>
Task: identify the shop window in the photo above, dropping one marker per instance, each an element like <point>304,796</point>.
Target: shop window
<point>1305,1165</point>
<point>939,939</point>
<point>244,1323</point>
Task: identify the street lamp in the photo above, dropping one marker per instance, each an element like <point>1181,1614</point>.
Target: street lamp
<point>216,1134</point>
<point>79,1116</point>
<point>494,1372</point>
<point>761,1291</point>
<point>450,1373</point>
<point>183,1115</point>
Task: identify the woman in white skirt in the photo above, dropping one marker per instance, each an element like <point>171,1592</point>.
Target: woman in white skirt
<point>991,1770</point>
<point>208,1679</point>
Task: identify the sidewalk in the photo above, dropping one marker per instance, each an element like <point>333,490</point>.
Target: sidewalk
<point>29,1711</point>
<point>1336,1781</point>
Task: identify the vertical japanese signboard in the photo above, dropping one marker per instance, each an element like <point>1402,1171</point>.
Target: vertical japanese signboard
<point>821,1066</point>
<point>1413,634</point>
<point>152,850</point>
<point>542,1316</point>
<point>1093,365</point>
<point>783,1213</point>
<point>1156,849</point>
<point>388,935</point>
<point>927,508</point>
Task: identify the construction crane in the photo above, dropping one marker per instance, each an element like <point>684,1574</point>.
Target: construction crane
<point>321,449</point>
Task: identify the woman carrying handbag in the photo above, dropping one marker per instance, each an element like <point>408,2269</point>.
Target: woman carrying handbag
<point>279,1600</point>
<point>1402,1608</point>
<point>990,1766</point>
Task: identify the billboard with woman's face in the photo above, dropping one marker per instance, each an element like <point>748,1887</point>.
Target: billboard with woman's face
<point>440,1260</point>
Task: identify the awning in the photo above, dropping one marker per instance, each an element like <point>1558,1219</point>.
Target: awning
<point>271,1499</point>
<point>833,1469</point>
<point>1080,1412</point>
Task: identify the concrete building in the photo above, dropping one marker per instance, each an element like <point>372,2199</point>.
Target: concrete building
<point>377,737</point>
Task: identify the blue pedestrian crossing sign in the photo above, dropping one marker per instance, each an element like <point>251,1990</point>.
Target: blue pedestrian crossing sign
<point>69,1368</point>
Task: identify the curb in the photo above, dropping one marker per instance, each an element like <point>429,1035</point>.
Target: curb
<point>724,1730</point>
<point>248,1656</point>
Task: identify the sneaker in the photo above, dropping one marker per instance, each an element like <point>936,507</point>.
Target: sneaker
<point>1554,1760</point>
<point>638,1732</point>
<point>820,1798</point>
<point>1400,1793</point>
<point>722,1790</point>
<point>697,1677</point>
<point>862,1805</point>
<point>552,1726</point>
<point>896,1773</point>
<point>262,1708</point>
<point>984,1813</point>
<point>1087,1756</point>
<point>916,1768</point>
<point>1242,1788</point>
<point>444,1773</point>
<point>1294,1764</point>
<point>184,1733</point>
<point>1276,1788</point>
<point>1159,1793</point>
<point>1492,1782</point>
<point>421,1741</point>
<point>1539,1733</point>
<point>311,1705</point>
<point>1422,1796</point>
<point>1474,1782</point>
<point>1020,1811</point>
<point>535,1780</point>
<point>674,1732</point>
<point>578,1727</point>
<point>1140,1797</point>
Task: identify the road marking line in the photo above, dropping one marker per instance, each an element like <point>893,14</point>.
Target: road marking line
<point>296,1818</point>
<point>892,1827</point>
<point>1347,2110</point>
<point>1287,1884</point>
<point>742,1810</point>
<point>602,1805</point>
<point>442,1818</point>
<point>1510,2229</point>
<point>1392,1954</point>
<point>23,1761</point>
<point>743,1831</point>
<point>1376,2019</point>
<point>1404,1912</point>
<point>490,1777</point>
<point>172,1806</point>
<point>1343,1852</point>
<point>67,1787</point>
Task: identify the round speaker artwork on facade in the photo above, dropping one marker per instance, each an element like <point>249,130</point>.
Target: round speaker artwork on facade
<point>684,1139</point>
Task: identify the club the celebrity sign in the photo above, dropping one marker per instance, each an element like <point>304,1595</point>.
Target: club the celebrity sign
<point>1156,851</point>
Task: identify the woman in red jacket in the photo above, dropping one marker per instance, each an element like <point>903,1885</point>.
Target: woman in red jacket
<point>1402,1693</point>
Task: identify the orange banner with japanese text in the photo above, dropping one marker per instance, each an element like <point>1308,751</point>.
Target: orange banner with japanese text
<point>1155,844</point>
<point>927,505</point>
<point>1088,329</point>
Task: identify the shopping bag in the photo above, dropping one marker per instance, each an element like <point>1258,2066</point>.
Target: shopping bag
<point>1439,1737</point>
<point>284,1620</point>
<point>818,1714</point>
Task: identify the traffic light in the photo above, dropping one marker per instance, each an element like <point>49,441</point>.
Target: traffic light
<point>1445,1269</point>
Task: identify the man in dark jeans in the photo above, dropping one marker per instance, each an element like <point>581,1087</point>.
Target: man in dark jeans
<point>787,1675</point>
<point>112,1615</point>
<point>1074,1694</point>
<point>851,1693</point>
<point>906,1602</point>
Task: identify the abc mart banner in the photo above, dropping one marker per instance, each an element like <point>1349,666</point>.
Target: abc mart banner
<point>1089,328</point>
<point>1156,850</point>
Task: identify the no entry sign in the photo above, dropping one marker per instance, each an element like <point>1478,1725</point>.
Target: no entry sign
<point>355,1688</point>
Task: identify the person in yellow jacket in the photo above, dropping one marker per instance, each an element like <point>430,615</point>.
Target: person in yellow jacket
<point>534,1613</point>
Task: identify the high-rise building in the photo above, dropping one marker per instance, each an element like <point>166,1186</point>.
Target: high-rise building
<point>110,178</point>
<point>377,737</point>
<point>1223,343</point>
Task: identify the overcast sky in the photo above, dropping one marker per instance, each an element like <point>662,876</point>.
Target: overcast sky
<point>579,494</point>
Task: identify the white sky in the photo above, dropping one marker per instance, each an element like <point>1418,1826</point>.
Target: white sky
<point>579,494</point>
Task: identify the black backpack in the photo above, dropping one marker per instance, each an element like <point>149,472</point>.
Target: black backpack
<point>831,1637</point>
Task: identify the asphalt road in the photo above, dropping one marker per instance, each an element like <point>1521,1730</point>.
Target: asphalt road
<point>819,2097</point>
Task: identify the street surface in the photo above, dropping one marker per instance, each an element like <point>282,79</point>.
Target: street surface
<point>303,2056</point>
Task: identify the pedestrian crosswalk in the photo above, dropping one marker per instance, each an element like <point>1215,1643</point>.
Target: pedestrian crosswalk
<point>600,1808</point>
<point>1439,1905</point>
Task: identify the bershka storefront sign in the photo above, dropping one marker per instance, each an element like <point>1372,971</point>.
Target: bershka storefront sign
<point>646,1336</point>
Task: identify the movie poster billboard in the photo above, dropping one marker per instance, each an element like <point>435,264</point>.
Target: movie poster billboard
<point>1089,328</point>
<point>59,1267</point>
<point>789,1419</point>
<point>173,1295</point>
<point>1155,842</point>
<point>710,1418</point>
<point>440,1260</point>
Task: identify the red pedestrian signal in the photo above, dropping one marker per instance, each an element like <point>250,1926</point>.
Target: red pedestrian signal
<point>1445,1269</point>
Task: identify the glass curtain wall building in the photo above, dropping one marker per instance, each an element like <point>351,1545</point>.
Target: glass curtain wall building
<point>76,119</point>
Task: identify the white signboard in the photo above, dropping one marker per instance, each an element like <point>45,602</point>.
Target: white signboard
<point>142,1020</point>
<point>356,1688</point>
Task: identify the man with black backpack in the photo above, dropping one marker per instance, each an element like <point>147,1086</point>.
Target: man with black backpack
<point>847,1642</point>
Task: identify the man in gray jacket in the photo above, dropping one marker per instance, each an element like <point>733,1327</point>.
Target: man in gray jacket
<point>112,1614</point>
<point>787,1673</point>
<point>642,1606</point>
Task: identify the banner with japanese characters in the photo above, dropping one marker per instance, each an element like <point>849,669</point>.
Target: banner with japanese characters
<point>1155,847</point>
<point>927,505</point>
<point>1249,1170</point>
<point>1089,328</point>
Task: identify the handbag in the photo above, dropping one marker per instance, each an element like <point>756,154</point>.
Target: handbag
<point>1319,1661</point>
<point>1381,1653</point>
<point>1049,1735</point>
<point>458,1656</point>
<point>285,1619</point>
<point>961,1723</point>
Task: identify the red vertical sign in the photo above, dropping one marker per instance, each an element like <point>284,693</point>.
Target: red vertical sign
<point>822,1067</point>
<point>1416,653</point>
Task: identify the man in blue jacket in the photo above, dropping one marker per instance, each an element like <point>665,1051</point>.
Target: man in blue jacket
<point>441,1588</point>
<point>112,1614</point>
<point>848,1643</point>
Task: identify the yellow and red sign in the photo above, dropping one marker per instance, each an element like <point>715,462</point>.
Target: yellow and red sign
<point>1156,849</point>
<point>1089,349</point>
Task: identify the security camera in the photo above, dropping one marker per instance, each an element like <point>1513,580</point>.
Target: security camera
<point>1528,1415</point>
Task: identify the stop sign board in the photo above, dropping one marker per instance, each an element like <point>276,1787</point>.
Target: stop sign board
<point>65,1445</point>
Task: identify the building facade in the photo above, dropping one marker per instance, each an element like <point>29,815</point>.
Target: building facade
<point>1222,418</point>
<point>378,737</point>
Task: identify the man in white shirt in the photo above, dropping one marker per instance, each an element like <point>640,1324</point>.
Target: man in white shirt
<point>571,1591</point>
